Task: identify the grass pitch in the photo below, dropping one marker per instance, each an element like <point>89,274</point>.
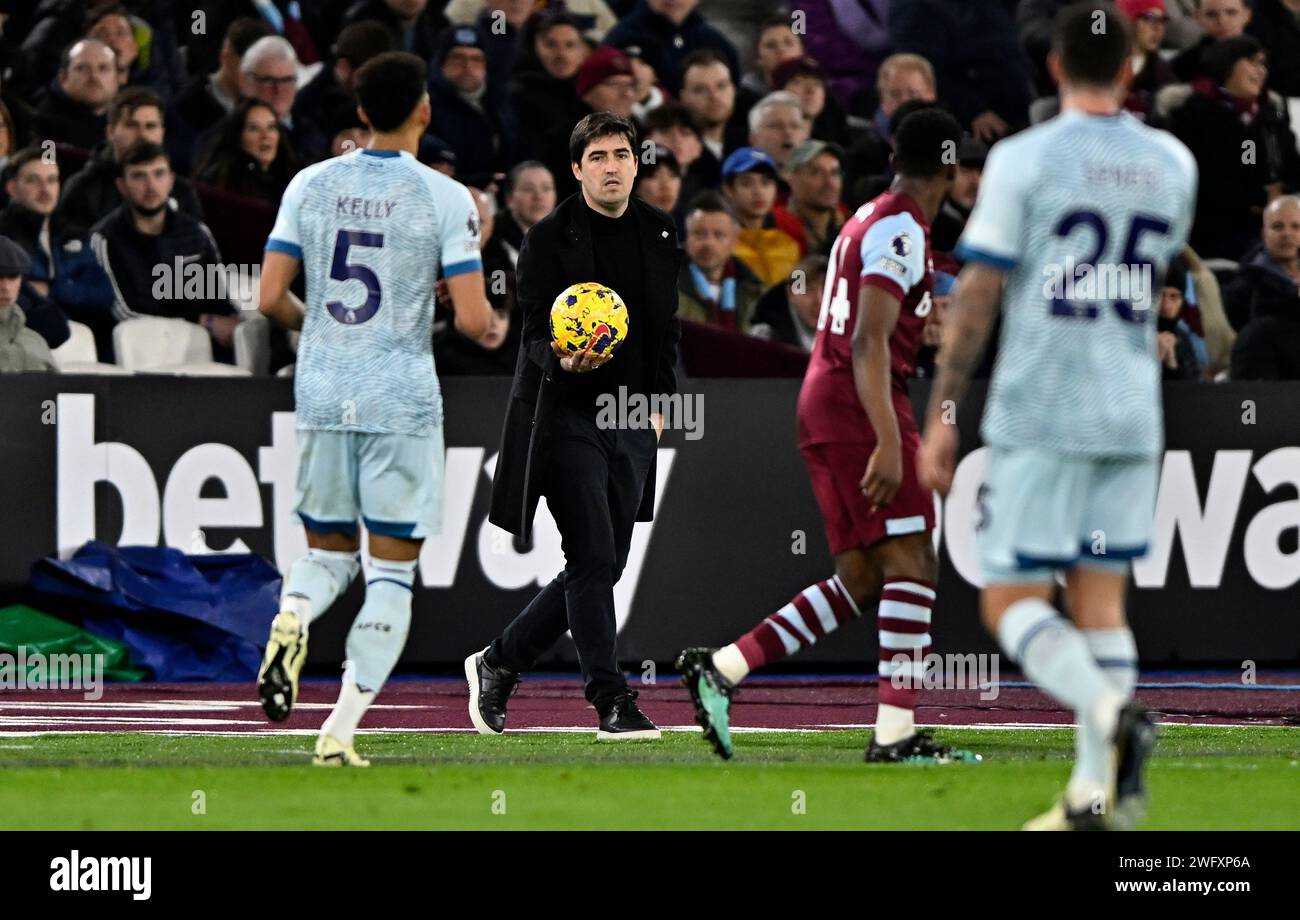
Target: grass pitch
<point>1202,777</point>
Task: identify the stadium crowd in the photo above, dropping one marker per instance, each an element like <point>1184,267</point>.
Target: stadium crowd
<point>148,136</point>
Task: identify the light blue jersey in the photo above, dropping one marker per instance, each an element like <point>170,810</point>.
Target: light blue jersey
<point>372,229</point>
<point>1103,202</point>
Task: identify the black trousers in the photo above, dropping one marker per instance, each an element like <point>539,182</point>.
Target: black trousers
<point>593,483</point>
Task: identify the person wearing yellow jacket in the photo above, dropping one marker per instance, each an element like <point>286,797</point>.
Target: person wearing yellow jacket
<point>749,183</point>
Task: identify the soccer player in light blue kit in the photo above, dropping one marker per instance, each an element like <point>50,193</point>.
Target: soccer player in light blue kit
<point>371,230</point>
<point>1073,420</point>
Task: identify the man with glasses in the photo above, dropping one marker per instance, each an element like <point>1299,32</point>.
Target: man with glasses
<point>269,72</point>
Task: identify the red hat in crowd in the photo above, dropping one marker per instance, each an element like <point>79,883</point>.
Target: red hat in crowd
<point>599,66</point>
<point>1135,8</point>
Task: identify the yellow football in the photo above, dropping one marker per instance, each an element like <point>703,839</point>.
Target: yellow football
<point>588,313</point>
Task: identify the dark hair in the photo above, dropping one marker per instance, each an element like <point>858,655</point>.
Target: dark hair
<point>244,31</point>
<point>389,87</point>
<point>925,143</point>
<point>1220,57</point>
<point>598,125</point>
<point>361,41</point>
<point>669,115</point>
<point>94,17</point>
<point>520,168</point>
<point>225,164</point>
<point>907,108</point>
<point>710,202</point>
<point>662,158</point>
<point>134,97</point>
<point>20,159</point>
<point>1091,56</point>
<point>701,57</point>
<point>142,152</point>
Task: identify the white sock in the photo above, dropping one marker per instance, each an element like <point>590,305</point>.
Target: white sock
<point>731,663</point>
<point>1055,656</point>
<point>315,581</point>
<point>893,724</point>
<point>1116,654</point>
<point>347,712</point>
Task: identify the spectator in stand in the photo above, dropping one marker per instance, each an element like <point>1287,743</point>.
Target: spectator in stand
<point>11,138</point>
<point>143,233</point>
<point>112,25</point>
<point>1181,352</point>
<point>671,126</point>
<point>496,352</point>
<point>903,78</point>
<point>136,114</point>
<point>1219,20</point>
<point>850,38</point>
<point>649,94</point>
<point>1263,300</point>
<point>659,181</point>
<point>1035,23</point>
<point>269,73</point>
<point>813,214</point>
<point>542,89</point>
<point>670,30</point>
<point>332,87</point>
<point>73,108</point>
<point>21,349</point>
<point>709,94</point>
<point>749,179</point>
<point>347,131</point>
<point>250,155</point>
<point>788,311</point>
<point>777,42</point>
<point>1151,73</point>
<point>63,278</point>
<point>530,196</point>
<point>436,154</point>
<point>283,16</point>
<point>777,125</point>
<point>1183,30</point>
<point>932,331</point>
<point>982,74</point>
<point>1227,115</point>
<point>948,224</point>
<point>714,286</point>
<point>807,80</point>
<point>594,17</point>
<point>209,97</point>
<point>1276,23</point>
<point>470,113</point>
<point>412,24</point>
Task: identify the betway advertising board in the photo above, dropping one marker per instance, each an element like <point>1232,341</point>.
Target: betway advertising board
<point>209,466</point>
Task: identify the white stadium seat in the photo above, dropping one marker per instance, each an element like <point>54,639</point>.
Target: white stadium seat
<point>253,343</point>
<point>78,355</point>
<point>168,346</point>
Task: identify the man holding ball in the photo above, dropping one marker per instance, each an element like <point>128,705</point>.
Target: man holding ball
<point>598,481</point>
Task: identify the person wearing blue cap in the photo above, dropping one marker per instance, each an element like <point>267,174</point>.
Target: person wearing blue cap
<point>749,183</point>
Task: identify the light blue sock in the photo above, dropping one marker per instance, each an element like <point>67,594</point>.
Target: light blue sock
<point>378,634</point>
<point>318,578</point>
<point>1116,654</point>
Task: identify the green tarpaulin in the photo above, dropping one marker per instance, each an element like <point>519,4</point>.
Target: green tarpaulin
<point>25,633</point>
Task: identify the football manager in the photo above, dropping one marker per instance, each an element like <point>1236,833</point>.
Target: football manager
<point>598,481</point>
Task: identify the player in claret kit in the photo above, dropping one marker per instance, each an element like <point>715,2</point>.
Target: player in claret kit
<point>370,231</point>
<point>1072,422</point>
<point>858,439</point>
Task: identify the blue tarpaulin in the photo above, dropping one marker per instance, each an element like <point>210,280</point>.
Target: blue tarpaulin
<point>184,617</point>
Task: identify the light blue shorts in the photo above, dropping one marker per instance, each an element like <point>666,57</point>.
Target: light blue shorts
<point>391,482</point>
<point>1041,512</point>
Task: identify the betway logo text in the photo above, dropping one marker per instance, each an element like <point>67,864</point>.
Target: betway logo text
<point>185,519</point>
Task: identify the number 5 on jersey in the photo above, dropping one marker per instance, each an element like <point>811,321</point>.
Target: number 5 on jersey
<point>342,270</point>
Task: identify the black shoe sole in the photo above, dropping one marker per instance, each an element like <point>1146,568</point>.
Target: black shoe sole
<point>276,683</point>
<point>692,674</point>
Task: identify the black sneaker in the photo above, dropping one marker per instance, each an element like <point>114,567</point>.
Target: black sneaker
<point>489,689</point>
<point>1135,740</point>
<point>918,748</point>
<point>624,721</point>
